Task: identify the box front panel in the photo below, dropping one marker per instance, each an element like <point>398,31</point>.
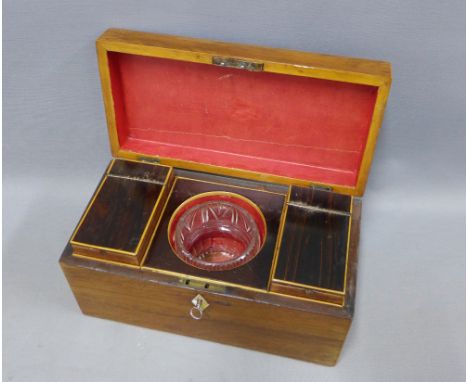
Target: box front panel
<point>270,328</point>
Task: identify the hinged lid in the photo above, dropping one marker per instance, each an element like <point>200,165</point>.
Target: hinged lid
<point>261,113</point>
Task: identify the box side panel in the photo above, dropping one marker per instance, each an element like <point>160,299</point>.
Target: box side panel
<point>270,328</point>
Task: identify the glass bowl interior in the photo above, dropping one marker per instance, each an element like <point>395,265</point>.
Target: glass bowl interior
<point>217,233</point>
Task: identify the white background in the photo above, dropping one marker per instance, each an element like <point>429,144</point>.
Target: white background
<point>410,308</point>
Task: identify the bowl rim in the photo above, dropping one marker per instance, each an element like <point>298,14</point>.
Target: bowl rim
<point>253,211</point>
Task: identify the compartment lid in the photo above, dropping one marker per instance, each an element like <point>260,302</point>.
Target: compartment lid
<point>261,113</point>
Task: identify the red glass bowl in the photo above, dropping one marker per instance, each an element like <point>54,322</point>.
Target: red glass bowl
<point>217,231</point>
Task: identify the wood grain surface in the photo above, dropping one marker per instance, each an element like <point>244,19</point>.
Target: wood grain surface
<point>315,239</point>
<point>266,327</point>
<point>278,322</point>
<point>119,220</point>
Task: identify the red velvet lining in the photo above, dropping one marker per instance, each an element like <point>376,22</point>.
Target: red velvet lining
<point>284,125</point>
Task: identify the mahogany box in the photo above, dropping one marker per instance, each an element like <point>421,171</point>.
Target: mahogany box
<point>289,136</point>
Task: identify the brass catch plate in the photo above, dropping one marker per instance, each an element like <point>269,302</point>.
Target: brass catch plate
<point>236,63</point>
<point>200,284</point>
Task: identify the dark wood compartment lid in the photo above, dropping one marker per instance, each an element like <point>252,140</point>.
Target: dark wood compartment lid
<point>314,248</point>
<point>120,216</point>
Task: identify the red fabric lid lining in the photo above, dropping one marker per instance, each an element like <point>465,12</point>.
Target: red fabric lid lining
<point>291,126</point>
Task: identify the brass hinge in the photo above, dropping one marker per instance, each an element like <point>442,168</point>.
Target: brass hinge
<point>149,160</point>
<point>320,188</point>
<point>236,63</point>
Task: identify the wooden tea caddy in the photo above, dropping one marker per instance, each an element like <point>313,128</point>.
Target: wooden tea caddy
<point>293,132</point>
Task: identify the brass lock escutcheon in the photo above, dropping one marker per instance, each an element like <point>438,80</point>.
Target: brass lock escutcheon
<point>199,305</point>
